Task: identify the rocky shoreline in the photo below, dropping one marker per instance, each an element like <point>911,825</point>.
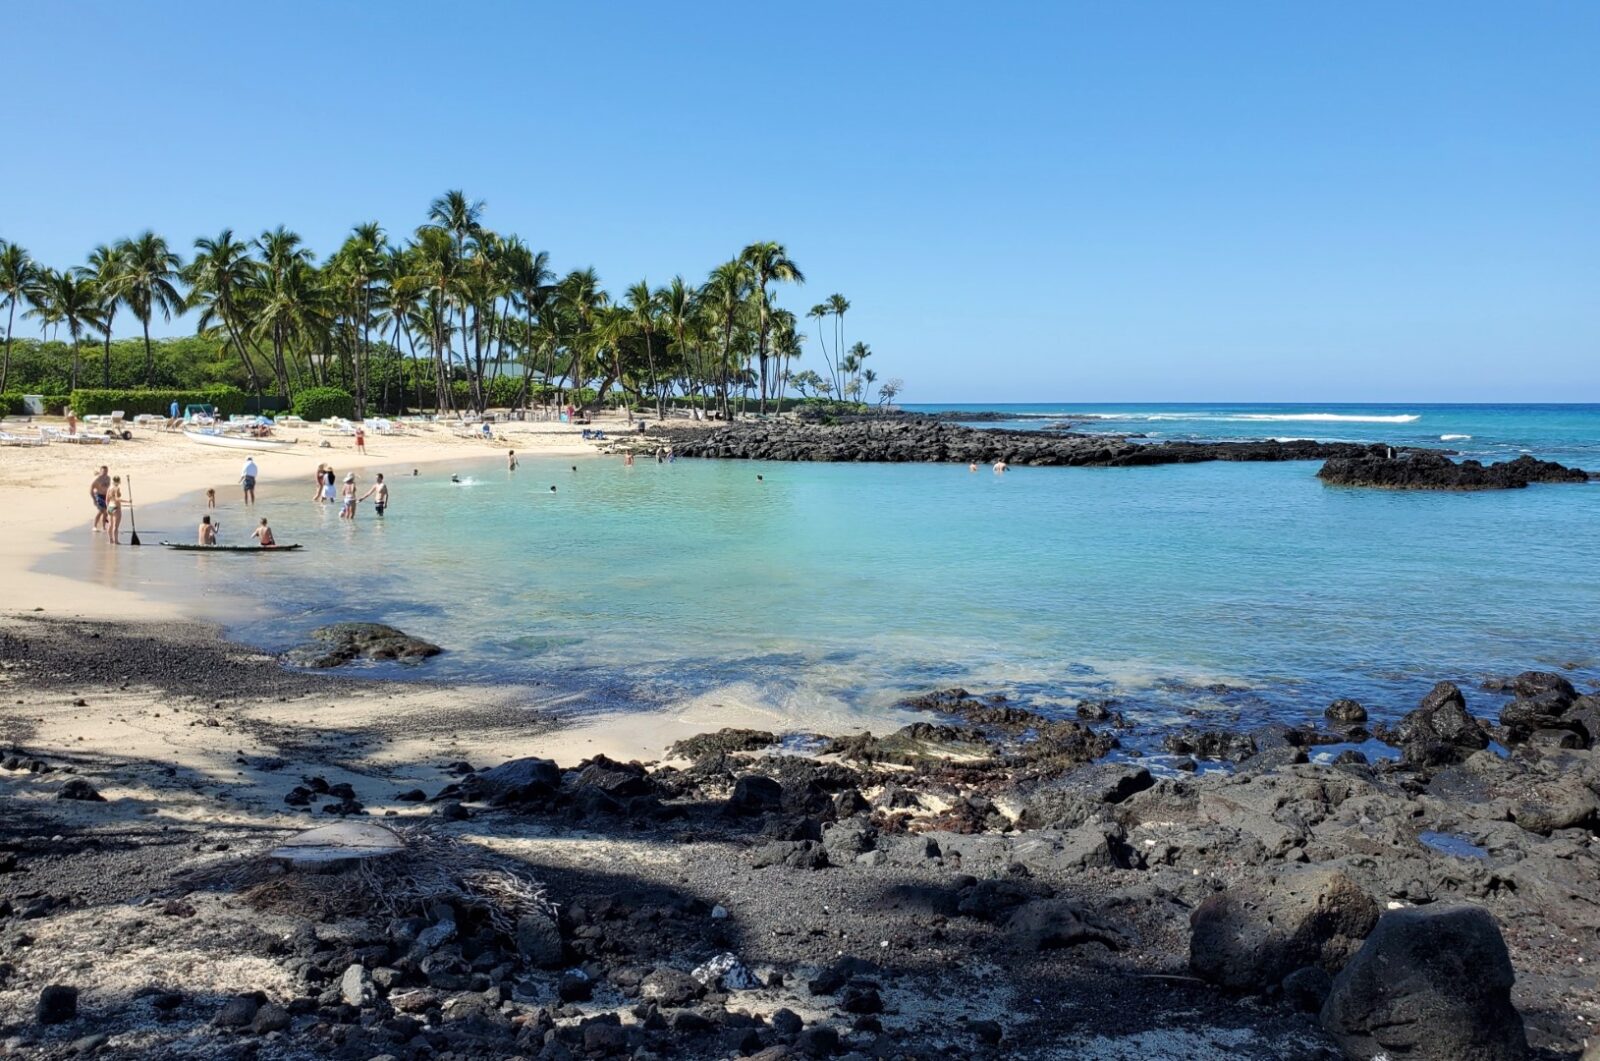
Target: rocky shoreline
<point>904,439</point>
<point>985,883</point>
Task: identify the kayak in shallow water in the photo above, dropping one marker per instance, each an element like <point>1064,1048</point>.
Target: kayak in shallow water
<point>231,548</point>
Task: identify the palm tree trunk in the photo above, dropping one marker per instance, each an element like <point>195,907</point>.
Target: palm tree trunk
<point>5,366</point>
<point>149,358</point>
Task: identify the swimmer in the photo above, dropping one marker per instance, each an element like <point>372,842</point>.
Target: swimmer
<point>455,478</point>
<point>972,467</point>
<point>552,488</point>
<point>627,460</point>
<point>760,479</point>
<point>1000,467</point>
<point>574,467</point>
<point>511,460</point>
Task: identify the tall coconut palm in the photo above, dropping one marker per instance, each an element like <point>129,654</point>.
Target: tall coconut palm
<point>353,270</point>
<point>528,275</point>
<point>146,282</point>
<point>18,280</point>
<point>580,295</point>
<point>768,262</point>
<point>819,313</point>
<point>725,297</point>
<point>838,305</point>
<point>102,268</point>
<point>786,342</point>
<point>678,313</point>
<point>642,310</point>
<point>65,298</point>
<point>220,278</point>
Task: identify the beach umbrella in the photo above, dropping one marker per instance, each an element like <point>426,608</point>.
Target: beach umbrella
<point>133,520</point>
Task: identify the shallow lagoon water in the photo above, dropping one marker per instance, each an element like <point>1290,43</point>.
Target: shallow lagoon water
<point>1217,592</point>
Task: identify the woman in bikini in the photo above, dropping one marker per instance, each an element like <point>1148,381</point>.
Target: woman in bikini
<point>114,508</point>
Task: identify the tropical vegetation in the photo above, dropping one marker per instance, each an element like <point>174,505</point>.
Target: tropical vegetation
<point>454,316</point>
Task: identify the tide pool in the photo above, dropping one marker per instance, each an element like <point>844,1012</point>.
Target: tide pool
<point>1209,593</point>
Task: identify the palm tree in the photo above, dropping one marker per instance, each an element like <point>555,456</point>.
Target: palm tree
<point>105,262</point>
<point>18,279</point>
<point>145,283</point>
<point>642,308</point>
<point>678,314</point>
<point>820,312</point>
<point>65,298</point>
<point>725,298</point>
<point>581,296</point>
<point>528,274</point>
<point>768,262</point>
<point>786,342</point>
<point>837,305</point>
<point>220,278</point>
<point>353,269</point>
<point>857,357</point>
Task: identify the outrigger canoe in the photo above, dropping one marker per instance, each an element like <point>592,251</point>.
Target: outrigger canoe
<point>231,548</point>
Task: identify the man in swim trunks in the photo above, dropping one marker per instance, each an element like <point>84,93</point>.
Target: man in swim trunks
<point>97,494</point>
<point>511,460</point>
<point>247,479</point>
<point>208,532</point>
<point>379,494</point>
<point>263,534</point>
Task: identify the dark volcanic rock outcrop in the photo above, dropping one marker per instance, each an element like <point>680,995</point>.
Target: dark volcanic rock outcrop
<point>1427,470</point>
<point>339,643</point>
<point>1431,983</point>
<point>901,440</point>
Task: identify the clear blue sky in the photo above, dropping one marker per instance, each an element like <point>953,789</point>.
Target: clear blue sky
<point>1073,201</point>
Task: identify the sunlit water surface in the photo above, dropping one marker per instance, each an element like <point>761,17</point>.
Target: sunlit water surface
<point>1223,591</point>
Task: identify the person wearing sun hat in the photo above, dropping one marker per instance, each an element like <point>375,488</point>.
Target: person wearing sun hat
<point>348,511</point>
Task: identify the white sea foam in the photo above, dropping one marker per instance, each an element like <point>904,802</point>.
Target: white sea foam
<point>1245,418</point>
<point>1402,418</point>
<point>1454,438</point>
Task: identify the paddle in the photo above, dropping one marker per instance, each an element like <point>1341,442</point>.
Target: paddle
<point>132,519</point>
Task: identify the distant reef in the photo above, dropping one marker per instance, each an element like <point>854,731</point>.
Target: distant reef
<point>903,439</point>
<point>1425,470</point>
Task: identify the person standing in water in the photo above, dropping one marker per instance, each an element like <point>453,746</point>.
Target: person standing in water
<point>511,461</point>
<point>114,509</point>
<point>99,486</point>
<point>379,494</point>
<point>247,479</point>
<point>347,510</point>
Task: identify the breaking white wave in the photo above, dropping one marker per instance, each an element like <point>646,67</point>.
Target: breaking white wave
<point>1454,438</point>
<point>1402,418</point>
<point>1246,418</point>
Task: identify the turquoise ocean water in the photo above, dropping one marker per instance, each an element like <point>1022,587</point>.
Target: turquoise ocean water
<point>1220,592</point>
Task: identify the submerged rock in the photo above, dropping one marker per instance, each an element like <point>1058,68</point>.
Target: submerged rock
<point>1431,984</point>
<point>339,643</point>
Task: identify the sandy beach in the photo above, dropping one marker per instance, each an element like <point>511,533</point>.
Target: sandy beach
<point>44,490</point>
<point>978,880</point>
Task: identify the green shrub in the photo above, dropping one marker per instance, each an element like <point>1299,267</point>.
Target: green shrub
<point>56,404</point>
<point>89,402</point>
<point>320,403</point>
<point>504,392</point>
<point>11,404</point>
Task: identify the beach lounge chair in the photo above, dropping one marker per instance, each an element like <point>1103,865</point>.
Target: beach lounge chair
<point>117,416</point>
<point>57,435</point>
<point>8,439</point>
